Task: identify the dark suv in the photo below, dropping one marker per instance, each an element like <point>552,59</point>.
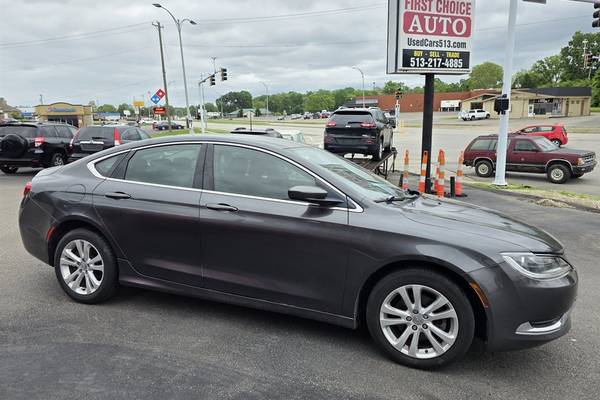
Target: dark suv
<point>359,130</point>
<point>34,145</point>
<point>530,154</point>
<point>97,138</point>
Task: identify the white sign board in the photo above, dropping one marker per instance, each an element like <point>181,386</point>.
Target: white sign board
<point>430,36</point>
<point>450,103</point>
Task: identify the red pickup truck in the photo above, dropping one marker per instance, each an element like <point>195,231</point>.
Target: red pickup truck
<point>530,154</point>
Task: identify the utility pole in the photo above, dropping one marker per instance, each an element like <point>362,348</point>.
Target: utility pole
<point>201,95</point>
<point>179,23</point>
<point>267,89</point>
<point>506,91</point>
<point>164,72</point>
<point>41,99</point>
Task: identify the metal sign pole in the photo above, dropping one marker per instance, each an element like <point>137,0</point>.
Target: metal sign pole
<point>428,127</point>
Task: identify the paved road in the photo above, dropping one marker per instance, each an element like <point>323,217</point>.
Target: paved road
<point>156,346</point>
<point>453,136</point>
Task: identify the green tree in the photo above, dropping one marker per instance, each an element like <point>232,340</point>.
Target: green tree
<point>343,96</point>
<point>235,101</point>
<point>527,79</point>
<point>210,107</point>
<point>107,108</point>
<point>317,101</point>
<point>548,70</point>
<point>596,89</point>
<point>572,55</point>
<point>123,107</point>
<point>485,76</point>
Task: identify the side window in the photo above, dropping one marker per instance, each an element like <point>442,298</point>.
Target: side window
<point>131,134</point>
<point>546,129</point>
<point>483,145</point>
<point>48,131</point>
<point>525,145</point>
<point>239,170</point>
<point>529,130</point>
<point>105,167</point>
<point>64,132</point>
<point>173,165</point>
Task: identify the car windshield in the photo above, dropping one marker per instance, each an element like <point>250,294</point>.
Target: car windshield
<point>367,183</point>
<point>24,131</point>
<point>544,144</point>
<point>97,132</point>
<point>344,118</point>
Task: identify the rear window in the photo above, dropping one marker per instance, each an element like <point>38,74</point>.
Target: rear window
<point>97,132</point>
<point>484,144</point>
<point>345,118</point>
<point>24,131</point>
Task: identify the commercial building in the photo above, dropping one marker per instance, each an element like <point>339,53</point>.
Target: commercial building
<point>73,114</point>
<point>571,102</point>
<point>6,111</point>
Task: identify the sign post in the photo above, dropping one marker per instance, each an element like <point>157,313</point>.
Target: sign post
<point>430,37</point>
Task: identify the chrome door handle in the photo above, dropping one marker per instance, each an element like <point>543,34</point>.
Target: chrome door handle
<point>221,207</point>
<point>118,195</point>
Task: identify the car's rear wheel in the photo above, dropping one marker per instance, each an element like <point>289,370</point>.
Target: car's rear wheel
<point>473,118</point>
<point>484,168</point>
<point>420,318</point>
<point>488,116</point>
<point>557,142</point>
<point>86,267</point>
<point>9,170</point>
<point>378,153</point>
<point>558,173</point>
<point>57,160</point>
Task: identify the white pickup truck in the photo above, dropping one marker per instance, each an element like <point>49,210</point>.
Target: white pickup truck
<point>472,115</point>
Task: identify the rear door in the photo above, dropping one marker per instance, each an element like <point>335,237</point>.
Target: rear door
<point>260,244</point>
<point>151,208</point>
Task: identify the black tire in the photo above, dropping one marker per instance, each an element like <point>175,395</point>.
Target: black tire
<point>458,300</point>
<point>488,116</point>
<point>484,168</point>
<point>57,160</point>
<point>558,174</point>
<point>473,118</point>
<point>109,278</point>
<point>378,153</point>
<point>389,146</point>
<point>9,170</point>
<point>13,146</point>
<point>557,142</point>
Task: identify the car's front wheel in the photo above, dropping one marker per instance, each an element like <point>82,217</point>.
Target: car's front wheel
<point>9,170</point>
<point>484,168</point>
<point>86,267</point>
<point>557,142</point>
<point>558,173</point>
<point>420,318</point>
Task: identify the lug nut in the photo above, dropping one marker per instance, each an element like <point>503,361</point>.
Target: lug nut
<point>416,311</point>
<point>408,318</point>
<point>425,316</point>
<point>424,326</point>
<point>414,328</point>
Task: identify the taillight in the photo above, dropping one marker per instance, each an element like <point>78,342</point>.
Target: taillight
<point>331,124</point>
<point>368,125</point>
<point>27,189</point>
<point>117,137</point>
<point>71,144</point>
<point>39,141</point>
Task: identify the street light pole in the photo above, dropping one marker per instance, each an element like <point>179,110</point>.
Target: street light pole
<point>267,89</point>
<point>179,24</point>
<point>506,90</point>
<point>164,72</point>
<point>363,84</point>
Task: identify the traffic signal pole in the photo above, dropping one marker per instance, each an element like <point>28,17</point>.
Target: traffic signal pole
<point>164,73</point>
<point>506,91</point>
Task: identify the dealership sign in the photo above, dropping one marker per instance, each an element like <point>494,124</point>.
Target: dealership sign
<point>160,110</point>
<point>430,36</point>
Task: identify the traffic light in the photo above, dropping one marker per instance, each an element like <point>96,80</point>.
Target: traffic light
<point>212,80</point>
<point>596,23</point>
<point>398,94</point>
<point>589,60</point>
<point>223,74</point>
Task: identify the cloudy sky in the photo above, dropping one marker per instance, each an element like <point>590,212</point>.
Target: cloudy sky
<point>107,51</point>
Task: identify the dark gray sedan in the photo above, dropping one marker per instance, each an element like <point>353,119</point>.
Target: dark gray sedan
<point>282,226</point>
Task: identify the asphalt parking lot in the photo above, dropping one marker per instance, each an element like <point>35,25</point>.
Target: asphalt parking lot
<point>155,346</point>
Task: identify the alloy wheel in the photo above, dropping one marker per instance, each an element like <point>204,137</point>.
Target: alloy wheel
<point>81,267</point>
<point>557,174</point>
<point>419,321</point>
<point>58,161</point>
<point>483,169</point>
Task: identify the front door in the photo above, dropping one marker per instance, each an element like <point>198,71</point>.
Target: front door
<point>258,243</point>
<point>522,156</point>
<point>152,211</point>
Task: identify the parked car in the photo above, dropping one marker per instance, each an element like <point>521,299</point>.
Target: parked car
<point>472,115</point>
<point>557,133</point>
<point>293,135</point>
<point>359,130</point>
<point>391,119</point>
<point>307,115</point>
<point>296,116</point>
<point>34,145</point>
<point>530,154</point>
<point>258,132</point>
<point>95,138</point>
<point>316,115</point>
<point>164,125</point>
<point>281,118</point>
<point>261,223</point>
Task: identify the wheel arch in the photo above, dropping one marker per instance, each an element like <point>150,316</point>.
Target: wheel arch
<point>559,161</point>
<point>449,271</point>
<point>67,225</point>
<point>481,158</point>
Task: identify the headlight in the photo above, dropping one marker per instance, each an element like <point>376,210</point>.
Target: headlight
<point>580,161</point>
<point>538,266</point>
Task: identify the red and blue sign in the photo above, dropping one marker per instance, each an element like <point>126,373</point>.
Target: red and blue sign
<point>158,96</point>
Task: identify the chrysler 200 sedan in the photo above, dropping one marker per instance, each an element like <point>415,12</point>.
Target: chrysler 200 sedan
<point>282,226</point>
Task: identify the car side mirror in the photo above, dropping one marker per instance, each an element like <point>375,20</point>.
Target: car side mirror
<point>311,194</point>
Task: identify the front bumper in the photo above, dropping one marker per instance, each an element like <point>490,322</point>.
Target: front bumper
<point>524,312</point>
<point>583,169</point>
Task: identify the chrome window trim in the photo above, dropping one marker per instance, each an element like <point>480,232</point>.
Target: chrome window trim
<point>91,167</point>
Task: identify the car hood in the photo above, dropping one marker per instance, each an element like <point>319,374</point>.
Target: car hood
<point>569,151</point>
<point>457,216</point>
